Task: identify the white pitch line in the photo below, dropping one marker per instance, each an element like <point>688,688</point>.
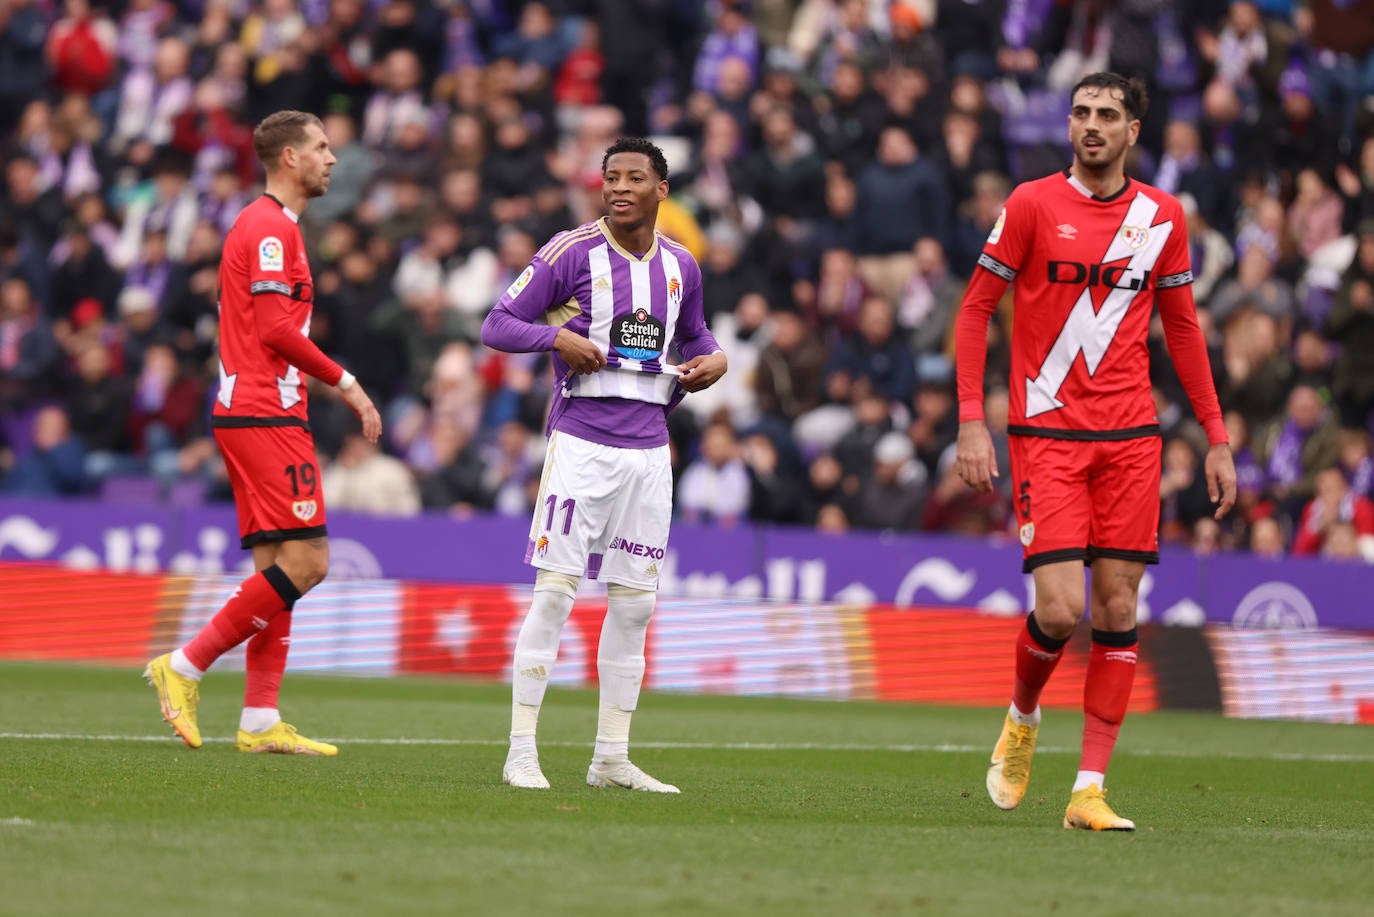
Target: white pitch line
<point>715,746</point>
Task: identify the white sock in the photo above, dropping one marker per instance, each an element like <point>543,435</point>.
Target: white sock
<point>1088,778</point>
<point>620,666</point>
<point>612,733</point>
<point>182,666</point>
<point>1025,719</point>
<point>524,718</point>
<point>258,719</point>
<point>536,648</point>
<point>521,745</point>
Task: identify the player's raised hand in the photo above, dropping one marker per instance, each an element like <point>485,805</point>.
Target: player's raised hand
<point>360,404</point>
<point>581,355</point>
<point>1220,469</point>
<point>702,372</point>
<point>977,462</point>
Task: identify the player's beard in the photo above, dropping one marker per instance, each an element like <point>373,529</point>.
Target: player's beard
<point>1105,159</point>
<point>318,187</point>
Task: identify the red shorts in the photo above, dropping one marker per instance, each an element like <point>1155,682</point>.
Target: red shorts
<point>276,482</point>
<point>1080,500</point>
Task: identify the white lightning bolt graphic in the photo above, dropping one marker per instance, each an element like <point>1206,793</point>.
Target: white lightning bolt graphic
<point>1091,331</point>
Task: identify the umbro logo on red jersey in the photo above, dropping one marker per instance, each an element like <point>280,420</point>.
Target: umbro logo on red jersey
<point>1067,230</point>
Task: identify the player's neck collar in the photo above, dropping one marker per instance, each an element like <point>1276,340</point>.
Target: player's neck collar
<point>605,225</point>
<point>291,214</point>
<point>1088,192</point>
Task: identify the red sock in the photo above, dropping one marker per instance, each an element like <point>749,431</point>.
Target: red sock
<point>1036,657</point>
<point>1106,692</point>
<point>266,662</point>
<point>252,606</point>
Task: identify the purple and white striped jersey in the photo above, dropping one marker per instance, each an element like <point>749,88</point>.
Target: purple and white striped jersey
<point>632,307</point>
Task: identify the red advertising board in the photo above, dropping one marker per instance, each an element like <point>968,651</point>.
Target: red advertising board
<point>940,656</point>
<point>51,612</point>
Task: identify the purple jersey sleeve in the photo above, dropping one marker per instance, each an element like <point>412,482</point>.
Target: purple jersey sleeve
<point>513,324</point>
<point>693,338</point>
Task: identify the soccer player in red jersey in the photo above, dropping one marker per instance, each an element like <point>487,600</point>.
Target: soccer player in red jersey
<point>265,302</point>
<point>1090,253</point>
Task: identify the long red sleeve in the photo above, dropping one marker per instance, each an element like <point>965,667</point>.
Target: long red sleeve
<point>1188,350</point>
<point>985,290</point>
<point>276,331</point>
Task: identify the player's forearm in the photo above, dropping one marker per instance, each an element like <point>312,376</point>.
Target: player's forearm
<point>971,340</point>
<point>277,333</point>
<point>1188,349</point>
<point>501,330</point>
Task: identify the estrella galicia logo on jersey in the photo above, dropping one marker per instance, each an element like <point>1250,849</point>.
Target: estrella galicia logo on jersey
<point>635,549</point>
<point>1120,277</point>
<point>518,285</point>
<point>304,510</point>
<point>271,255</point>
<point>996,234</point>
<point>1137,237</point>
<point>674,290</point>
<point>637,336</point>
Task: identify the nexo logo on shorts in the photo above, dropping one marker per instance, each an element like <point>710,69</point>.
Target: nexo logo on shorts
<point>636,549</point>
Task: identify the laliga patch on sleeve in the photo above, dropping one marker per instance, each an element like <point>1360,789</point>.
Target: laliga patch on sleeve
<point>271,255</point>
<point>997,228</point>
<point>518,285</point>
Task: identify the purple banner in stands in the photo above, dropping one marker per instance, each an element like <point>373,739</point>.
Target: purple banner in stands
<point>703,562</point>
<point>88,536</point>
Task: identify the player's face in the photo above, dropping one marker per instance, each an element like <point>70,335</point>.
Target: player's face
<point>632,190</point>
<point>314,160</point>
<point>1099,128</point>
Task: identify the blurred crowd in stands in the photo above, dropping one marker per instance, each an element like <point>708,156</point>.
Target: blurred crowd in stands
<point>836,166</point>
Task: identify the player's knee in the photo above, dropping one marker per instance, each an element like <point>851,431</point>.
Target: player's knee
<point>554,594</point>
<point>315,568</point>
<point>306,562</point>
<point>553,581</point>
<point>1058,615</point>
<point>1117,611</point>
<point>630,606</point>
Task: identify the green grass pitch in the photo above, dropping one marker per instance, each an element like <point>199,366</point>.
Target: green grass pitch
<point>787,807</point>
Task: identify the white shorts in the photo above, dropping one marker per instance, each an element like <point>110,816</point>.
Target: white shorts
<point>602,512</point>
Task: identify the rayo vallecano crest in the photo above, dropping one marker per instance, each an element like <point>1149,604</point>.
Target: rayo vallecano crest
<point>1135,236</point>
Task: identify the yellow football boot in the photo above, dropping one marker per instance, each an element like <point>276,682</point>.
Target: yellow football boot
<point>1088,809</point>
<point>178,696</point>
<point>283,739</point>
<point>1009,772</point>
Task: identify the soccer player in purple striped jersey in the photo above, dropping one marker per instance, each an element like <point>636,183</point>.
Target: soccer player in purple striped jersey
<point>609,299</point>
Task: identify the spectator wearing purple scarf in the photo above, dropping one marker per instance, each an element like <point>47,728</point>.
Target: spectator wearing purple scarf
<point>1292,449</point>
<point>152,270</point>
<point>1356,461</point>
<point>732,35</point>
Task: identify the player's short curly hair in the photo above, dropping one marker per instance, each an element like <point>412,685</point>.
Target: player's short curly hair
<point>638,145</point>
<point>279,131</point>
<point>1134,98</point>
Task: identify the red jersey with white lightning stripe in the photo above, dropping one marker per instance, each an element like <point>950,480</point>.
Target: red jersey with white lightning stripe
<point>1088,273</point>
<point>266,297</point>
